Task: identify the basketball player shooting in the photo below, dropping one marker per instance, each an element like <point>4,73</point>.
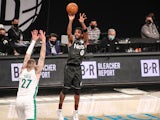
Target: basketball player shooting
<point>72,72</point>
<point>29,79</point>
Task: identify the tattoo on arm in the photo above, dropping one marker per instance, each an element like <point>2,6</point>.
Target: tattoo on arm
<point>26,60</point>
<point>41,58</point>
<point>40,64</point>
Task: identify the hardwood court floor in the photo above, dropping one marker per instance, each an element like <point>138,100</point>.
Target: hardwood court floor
<point>103,105</point>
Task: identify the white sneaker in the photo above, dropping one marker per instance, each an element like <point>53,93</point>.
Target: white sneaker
<point>75,115</point>
<point>60,114</point>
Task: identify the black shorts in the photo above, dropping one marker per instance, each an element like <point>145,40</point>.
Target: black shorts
<point>72,76</point>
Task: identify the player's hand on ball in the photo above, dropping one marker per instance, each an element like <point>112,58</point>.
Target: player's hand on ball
<point>71,17</point>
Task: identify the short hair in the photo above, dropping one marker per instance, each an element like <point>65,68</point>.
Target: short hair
<point>14,19</point>
<point>93,19</point>
<point>79,28</point>
<point>111,30</point>
<point>53,35</point>
<point>31,61</point>
<point>2,29</point>
<point>152,15</point>
<point>1,26</point>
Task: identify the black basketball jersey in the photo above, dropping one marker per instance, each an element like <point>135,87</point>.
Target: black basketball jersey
<point>76,52</point>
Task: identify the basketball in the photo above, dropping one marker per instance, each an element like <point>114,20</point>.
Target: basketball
<point>72,8</point>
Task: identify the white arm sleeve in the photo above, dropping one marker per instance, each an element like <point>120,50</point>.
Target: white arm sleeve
<point>30,48</point>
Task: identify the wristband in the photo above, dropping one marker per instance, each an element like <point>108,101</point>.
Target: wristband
<point>85,30</point>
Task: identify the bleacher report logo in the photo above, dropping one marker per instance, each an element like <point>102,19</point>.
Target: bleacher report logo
<point>150,68</point>
<point>89,70</point>
<point>15,70</point>
<point>25,10</point>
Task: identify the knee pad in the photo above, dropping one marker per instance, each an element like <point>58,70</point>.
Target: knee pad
<point>77,91</point>
<point>64,91</point>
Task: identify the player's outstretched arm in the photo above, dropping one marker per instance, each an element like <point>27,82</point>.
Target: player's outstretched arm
<point>42,52</point>
<point>30,48</point>
<point>69,28</point>
<point>82,18</point>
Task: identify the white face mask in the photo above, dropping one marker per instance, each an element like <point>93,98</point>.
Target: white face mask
<point>111,37</point>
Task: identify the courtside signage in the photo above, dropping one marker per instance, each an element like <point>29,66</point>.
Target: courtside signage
<point>150,68</point>
<point>48,69</point>
<point>89,70</point>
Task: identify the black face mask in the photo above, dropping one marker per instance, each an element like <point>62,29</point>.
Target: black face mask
<point>1,36</point>
<point>53,42</point>
<point>92,26</point>
<point>148,22</point>
<point>15,25</point>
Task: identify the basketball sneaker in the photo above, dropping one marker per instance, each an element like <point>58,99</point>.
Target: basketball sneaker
<point>75,115</point>
<point>60,114</point>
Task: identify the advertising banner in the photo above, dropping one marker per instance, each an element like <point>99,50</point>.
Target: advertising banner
<point>95,71</point>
